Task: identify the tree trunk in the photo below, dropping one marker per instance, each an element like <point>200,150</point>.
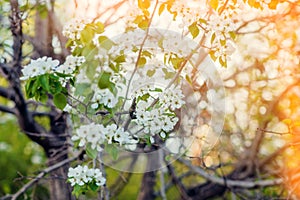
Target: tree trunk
<point>149,178</point>
<point>57,152</point>
<point>58,187</point>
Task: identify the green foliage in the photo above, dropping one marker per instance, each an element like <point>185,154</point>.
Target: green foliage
<point>19,157</point>
<point>90,152</point>
<point>214,4</point>
<point>82,190</point>
<point>112,150</point>
<point>60,100</point>
<point>41,86</point>
<point>194,30</point>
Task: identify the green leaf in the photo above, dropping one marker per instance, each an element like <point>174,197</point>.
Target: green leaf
<point>141,62</point>
<point>55,87</point>
<point>93,186</point>
<point>105,42</point>
<point>112,88</point>
<point>212,55</point>
<point>254,4</point>
<point>60,75</point>
<point>144,4</point>
<point>31,87</point>
<point>176,62</point>
<point>44,81</point>
<point>104,81</point>
<point>223,62</point>
<point>43,10</point>
<point>168,75</point>
<point>161,9</point>
<point>87,35</point>
<point>147,54</point>
<point>213,37</point>
<point>89,52</point>
<point>160,43</point>
<point>150,72</point>
<point>60,100</point>
<point>77,190</point>
<point>42,97</point>
<point>232,35</point>
<point>143,24</point>
<point>92,153</point>
<point>273,4</point>
<point>188,79</point>
<point>115,68</point>
<point>223,42</point>
<point>112,150</point>
<point>120,59</point>
<point>82,89</point>
<point>99,28</point>
<point>157,90</point>
<point>138,19</point>
<point>202,21</point>
<point>214,4</point>
<point>194,30</point>
<point>90,71</point>
<point>69,43</point>
<point>144,97</point>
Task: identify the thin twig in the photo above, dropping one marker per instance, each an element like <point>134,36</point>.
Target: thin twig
<point>42,174</point>
<point>274,132</point>
<point>137,61</point>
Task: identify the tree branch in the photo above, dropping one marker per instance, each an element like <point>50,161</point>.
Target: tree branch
<point>229,182</point>
<point>178,183</point>
<point>41,175</point>
<point>7,93</point>
<point>7,110</point>
<point>16,30</point>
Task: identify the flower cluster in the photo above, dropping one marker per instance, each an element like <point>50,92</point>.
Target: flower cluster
<point>159,119</point>
<point>189,13</point>
<point>84,175</point>
<point>181,46</point>
<point>92,134</point>
<point>155,120</point>
<point>70,64</point>
<point>97,134</point>
<point>39,67</point>
<point>105,97</point>
<point>172,98</point>
<point>221,25</point>
<point>113,133</point>
<point>221,28</point>
<point>46,65</point>
<point>73,28</point>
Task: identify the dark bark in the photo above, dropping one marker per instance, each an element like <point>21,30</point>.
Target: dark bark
<point>55,141</point>
<point>209,189</point>
<point>149,178</point>
<point>59,189</point>
<point>147,187</point>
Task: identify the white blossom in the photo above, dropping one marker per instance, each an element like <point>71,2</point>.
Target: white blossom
<point>83,175</point>
<point>38,67</point>
<point>70,64</point>
<point>92,134</point>
<point>105,97</point>
<point>73,28</point>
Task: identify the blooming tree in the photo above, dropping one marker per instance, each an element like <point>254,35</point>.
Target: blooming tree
<point>145,92</point>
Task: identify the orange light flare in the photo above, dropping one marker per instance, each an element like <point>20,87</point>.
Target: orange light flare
<point>96,9</point>
<point>288,110</point>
